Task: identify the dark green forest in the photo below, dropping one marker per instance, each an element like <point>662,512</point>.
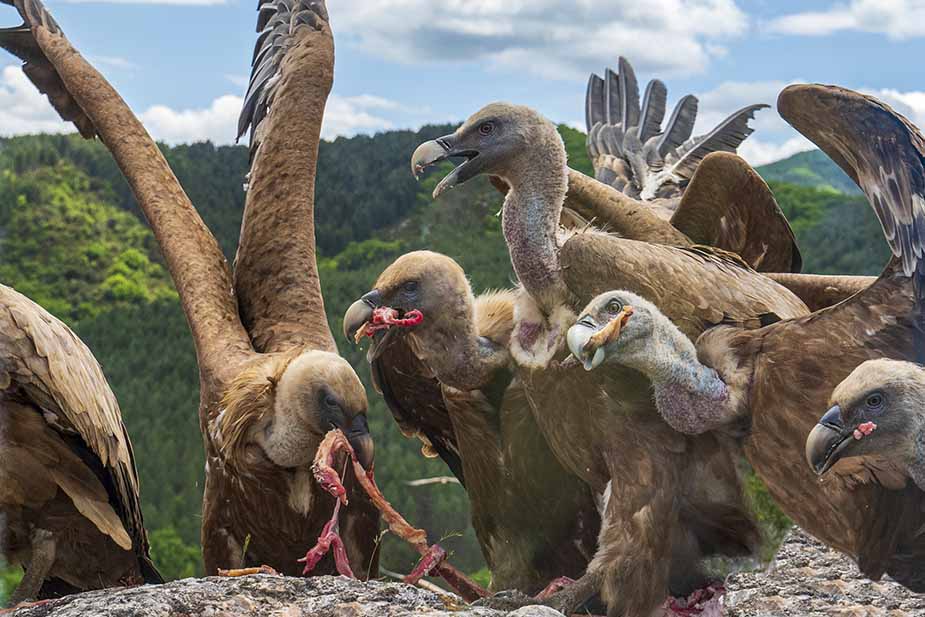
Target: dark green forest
<point>73,239</point>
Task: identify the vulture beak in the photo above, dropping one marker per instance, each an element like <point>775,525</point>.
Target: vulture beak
<point>441,149</point>
<point>359,314</point>
<point>367,317</point>
<point>826,441</point>
<point>587,339</point>
<point>361,441</point>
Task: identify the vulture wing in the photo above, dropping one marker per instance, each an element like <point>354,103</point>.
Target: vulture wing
<point>20,42</point>
<point>43,361</point>
<point>696,287</point>
<point>416,401</point>
<point>193,257</point>
<point>729,206</point>
<point>276,274</point>
<point>798,362</point>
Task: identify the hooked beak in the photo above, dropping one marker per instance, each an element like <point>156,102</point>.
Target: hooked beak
<point>827,441</point>
<point>440,149</point>
<point>359,313</point>
<point>587,339</point>
<point>361,441</point>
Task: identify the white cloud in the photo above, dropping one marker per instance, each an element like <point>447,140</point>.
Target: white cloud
<point>909,104</point>
<point>898,19</point>
<point>23,109</point>
<point>550,38</point>
<point>216,122</point>
<point>759,152</point>
<point>240,81</point>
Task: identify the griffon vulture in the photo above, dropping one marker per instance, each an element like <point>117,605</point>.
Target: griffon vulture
<point>774,380</point>
<point>70,514</point>
<point>876,417</point>
<point>605,428</point>
<point>271,382</point>
<point>439,356</point>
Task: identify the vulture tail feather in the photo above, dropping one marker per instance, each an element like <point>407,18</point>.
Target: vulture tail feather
<point>680,125</point>
<point>612,98</point>
<point>725,137</point>
<point>594,102</point>
<point>629,101</point>
<point>653,110</point>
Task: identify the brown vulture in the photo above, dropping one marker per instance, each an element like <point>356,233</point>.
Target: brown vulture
<point>271,382</point>
<point>439,358</point>
<point>773,381</point>
<point>70,513</point>
<point>675,498</point>
<point>875,419</point>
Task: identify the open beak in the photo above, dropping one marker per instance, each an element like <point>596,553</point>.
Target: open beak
<point>440,149</point>
<point>361,441</point>
<point>827,441</point>
<point>587,339</point>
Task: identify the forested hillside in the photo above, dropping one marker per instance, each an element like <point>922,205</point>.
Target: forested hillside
<point>73,239</point>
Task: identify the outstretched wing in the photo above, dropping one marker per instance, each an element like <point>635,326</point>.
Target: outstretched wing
<point>276,274</point>
<point>43,361</point>
<point>878,148</point>
<point>193,257</point>
<point>729,206</point>
<point>802,360</point>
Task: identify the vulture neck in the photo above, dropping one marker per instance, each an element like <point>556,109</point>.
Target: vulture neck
<point>916,466</point>
<point>459,357</point>
<point>690,396</point>
<point>531,222</point>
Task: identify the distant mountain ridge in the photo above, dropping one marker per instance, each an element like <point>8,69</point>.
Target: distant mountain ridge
<point>813,169</point>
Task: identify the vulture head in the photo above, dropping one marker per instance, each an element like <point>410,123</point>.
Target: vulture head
<point>877,411</point>
<point>617,326</point>
<point>501,140</point>
<point>282,409</point>
<point>419,294</point>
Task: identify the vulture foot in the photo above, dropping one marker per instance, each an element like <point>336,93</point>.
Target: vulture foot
<point>555,586</point>
<point>43,558</point>
<point>507,601</point>
<point>248,571</point>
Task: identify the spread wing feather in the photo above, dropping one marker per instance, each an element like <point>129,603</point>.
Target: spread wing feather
<point>653,110</point>
<point>680,126</point>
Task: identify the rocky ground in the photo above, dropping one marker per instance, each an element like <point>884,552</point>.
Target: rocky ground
<point>806,580</point>
<point>809,580</point>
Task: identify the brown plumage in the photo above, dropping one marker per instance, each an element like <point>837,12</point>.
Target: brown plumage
<point>70,513</point>
<point>448,380</point>
<point>669,491</point>
<point>271,383</point>
<point>876,419</point>
<point>778,378</point>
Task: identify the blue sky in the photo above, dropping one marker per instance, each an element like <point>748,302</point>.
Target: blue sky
<point>182,64</point>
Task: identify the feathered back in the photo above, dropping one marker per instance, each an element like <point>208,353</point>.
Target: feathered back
<point>628,146</point>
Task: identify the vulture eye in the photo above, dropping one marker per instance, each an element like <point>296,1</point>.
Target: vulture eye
<point>410,287</point>
<point>875,401</point>
<point>614,306</point>
<point>486,128</point>
<point>330,401</point>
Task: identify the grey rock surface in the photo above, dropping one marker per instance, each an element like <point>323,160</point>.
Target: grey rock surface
<point>263,595</point>
<point>807,579</point>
